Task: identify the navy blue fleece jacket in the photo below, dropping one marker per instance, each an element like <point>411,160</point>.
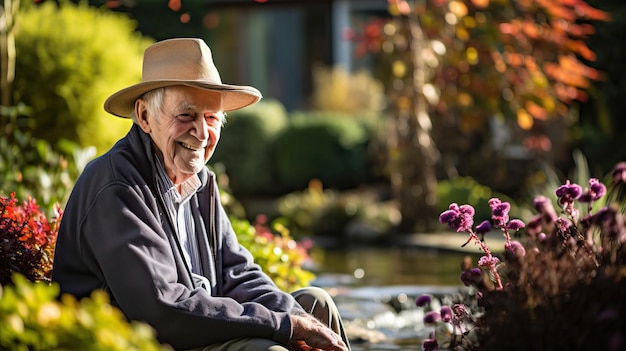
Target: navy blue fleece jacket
<point>115,235</point>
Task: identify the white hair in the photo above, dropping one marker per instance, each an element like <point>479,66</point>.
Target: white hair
<point>153,100</point>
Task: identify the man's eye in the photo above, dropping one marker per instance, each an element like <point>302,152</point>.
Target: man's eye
<point>186,117</point>
<point>213,118</point>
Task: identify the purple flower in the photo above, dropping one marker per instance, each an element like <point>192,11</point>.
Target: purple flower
<point>430,345</point>
<point>431,317</point>
<point>595,191</point>
<point>605,214</point>
<point>543,205</point>
<point>423,300</point>
<point>611,222</point>
<point>534,225</point>
<point>516,224</point>
<point>499,212</point>
<point>540,203</point>
<point>483,227</point>
<point>619,173</point>
<point>448,216</point>
<point>459,218</point>
<point>514,249</point>
<point>471,276</point>
<point>568,192</point>
<point>446,314</point>
<point>488,261</point>
<point>563,225</point>
<point>460,310</point>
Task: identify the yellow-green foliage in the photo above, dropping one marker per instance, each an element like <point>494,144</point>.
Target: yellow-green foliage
<point>70,58</point>
<point>32,319</point>
<point>301,208</point>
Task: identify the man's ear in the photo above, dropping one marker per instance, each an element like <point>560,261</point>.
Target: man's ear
<point>141,112</point>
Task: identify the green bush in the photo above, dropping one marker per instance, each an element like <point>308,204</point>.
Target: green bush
<point>318,212</point>
<point>299,210</point>
<point>326,146</point>
<point>70,58</point>
<point>32,319</point>
<point>30,167</point>
<point>244,148</point>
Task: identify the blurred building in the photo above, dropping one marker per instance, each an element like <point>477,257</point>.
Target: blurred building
<point>270,44</point>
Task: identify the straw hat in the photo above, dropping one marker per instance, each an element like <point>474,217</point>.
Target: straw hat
<point>180,61</point>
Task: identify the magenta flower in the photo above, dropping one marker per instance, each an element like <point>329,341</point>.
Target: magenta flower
<point>432,317</point>
<point>460,310</point>
<point>534,225</point>
<point>607,219</point>
<point>446,314</point>
<point>430,345</point>
<point>619,173</point>
<point>595,191</point>
<point>568,192</point>
<point>499,212</point>
<point>516,224</point>
<point>423,300</point>
<point>471,276</point>
<point>563,225</point>
<point>514,249</point>
<point>483,228</point>
<point>488,261</point>
<point>459,218</point>
<point>543,205</point>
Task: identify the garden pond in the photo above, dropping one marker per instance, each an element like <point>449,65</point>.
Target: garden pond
<point>375,290</point>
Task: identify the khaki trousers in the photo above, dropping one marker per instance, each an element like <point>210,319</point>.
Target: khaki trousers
<point>314,300</point>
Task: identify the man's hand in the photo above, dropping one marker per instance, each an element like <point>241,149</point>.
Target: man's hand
<point>310,334</point>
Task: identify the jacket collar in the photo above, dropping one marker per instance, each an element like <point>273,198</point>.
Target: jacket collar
<point>143,151</point>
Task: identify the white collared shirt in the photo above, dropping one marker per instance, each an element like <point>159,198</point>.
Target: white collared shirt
<point>179,210</point>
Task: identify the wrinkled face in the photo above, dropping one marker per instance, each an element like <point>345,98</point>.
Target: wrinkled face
<point>185,129</point>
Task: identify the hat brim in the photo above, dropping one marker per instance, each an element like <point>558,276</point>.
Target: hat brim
<point>234,97</point>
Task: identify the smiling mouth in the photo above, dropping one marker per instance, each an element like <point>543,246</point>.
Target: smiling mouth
<point>189,147</point>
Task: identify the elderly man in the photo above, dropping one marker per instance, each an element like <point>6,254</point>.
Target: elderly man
<point>144,222</point>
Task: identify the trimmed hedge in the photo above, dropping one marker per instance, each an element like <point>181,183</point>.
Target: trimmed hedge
<point>245,148</point>
<point>328,146</point>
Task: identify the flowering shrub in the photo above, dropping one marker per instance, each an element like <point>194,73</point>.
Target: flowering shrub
<point>27,240</point>
<point>559,286</point>
<point>31,316</point>
<point>280,256</point>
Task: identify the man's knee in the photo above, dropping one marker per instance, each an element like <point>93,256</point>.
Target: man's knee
<point>309,294</point>
<point>250,344</point>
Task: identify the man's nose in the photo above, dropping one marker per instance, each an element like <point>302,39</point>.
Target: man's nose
<point>201,128</point>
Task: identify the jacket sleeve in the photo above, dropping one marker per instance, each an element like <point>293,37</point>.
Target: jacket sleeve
<point>135,258</point>
<point>244,280</point>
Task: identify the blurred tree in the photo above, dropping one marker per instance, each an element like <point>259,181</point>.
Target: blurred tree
<point>460,65</point>
<point>8,13</point>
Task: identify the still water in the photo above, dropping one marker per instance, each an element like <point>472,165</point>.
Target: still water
<point>387,266</point>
